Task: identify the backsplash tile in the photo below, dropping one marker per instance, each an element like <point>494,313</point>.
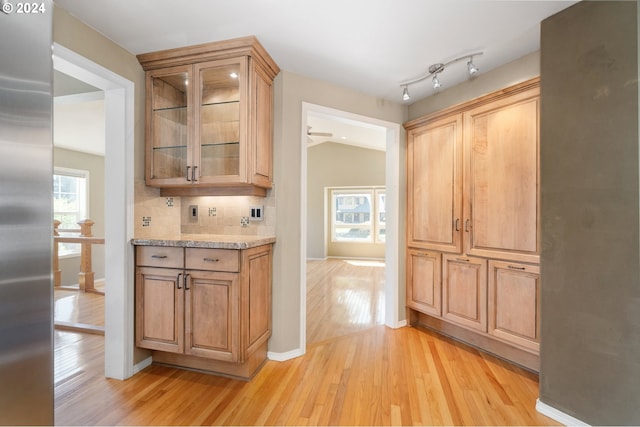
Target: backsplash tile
<point>216,215</point>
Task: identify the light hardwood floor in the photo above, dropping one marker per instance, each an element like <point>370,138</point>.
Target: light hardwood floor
<point>368,376</point>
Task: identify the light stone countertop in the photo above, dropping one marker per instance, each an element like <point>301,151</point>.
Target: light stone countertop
<point>210,241</point>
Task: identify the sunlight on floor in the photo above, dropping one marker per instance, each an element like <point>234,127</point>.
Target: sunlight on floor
<point>365,263</point>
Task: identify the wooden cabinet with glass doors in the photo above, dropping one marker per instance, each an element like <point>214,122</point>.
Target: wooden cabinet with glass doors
<point>209,119</point>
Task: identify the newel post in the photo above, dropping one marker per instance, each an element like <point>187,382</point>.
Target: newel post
<point>57,273</point>
<point>86,275</point>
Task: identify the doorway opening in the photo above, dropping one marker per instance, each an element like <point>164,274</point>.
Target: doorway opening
<point>78,201</point>
<point>317,237</point>
<point>118,201</point>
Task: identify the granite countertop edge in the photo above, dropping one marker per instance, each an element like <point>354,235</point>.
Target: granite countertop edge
<point>206,241</point>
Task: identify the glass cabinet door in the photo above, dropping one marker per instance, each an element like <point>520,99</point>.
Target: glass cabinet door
<point>220,120</point>
<point>169,124</point>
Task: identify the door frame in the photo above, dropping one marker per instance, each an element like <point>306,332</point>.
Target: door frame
<point>392,183</point>
<point>119,202</point>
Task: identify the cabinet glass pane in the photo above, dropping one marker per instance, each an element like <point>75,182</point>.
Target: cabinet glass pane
<point>169,121</point>
<point>220,120</point>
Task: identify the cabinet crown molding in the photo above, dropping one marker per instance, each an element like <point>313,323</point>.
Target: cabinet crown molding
<point>247,46</point>
<point>524,86</point>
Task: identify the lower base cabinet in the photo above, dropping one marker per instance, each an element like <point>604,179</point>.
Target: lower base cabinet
<point>514,303</point>
<point>490,304</point>
<point>464,291</point>
<point>206,309</point>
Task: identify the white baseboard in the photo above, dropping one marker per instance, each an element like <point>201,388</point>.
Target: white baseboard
<point>141,365</point>
<point>398,325</point>
<point>281,357</point>
<point>558,415</point>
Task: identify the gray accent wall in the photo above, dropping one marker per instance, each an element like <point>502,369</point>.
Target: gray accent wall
<point>590,355</point>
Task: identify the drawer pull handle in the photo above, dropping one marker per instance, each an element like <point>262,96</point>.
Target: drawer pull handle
<point>158,256</point>
<point>178,281</point>
<point>466,225</point>
<point>210,259</point>
<point>457,224</point>
<point>194,177</point>
<point>462,259</point>
<point>516,268</point>
<point>186,282</point>
<point>188,167</point>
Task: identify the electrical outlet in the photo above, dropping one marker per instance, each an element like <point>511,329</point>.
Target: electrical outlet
<point>256,213</point>
<point>193,211</point>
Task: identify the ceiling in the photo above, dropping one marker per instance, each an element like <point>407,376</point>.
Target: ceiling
<point>368,46</point>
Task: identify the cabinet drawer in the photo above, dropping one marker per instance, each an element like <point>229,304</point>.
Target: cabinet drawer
<point>212,259</point>
<point>159,256</point>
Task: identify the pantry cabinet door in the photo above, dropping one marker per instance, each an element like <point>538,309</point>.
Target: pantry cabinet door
<point>434,185</point>
<point>514,303</point>
<point>502,179</point>
<point>424,281</point>
<point>464,291</point>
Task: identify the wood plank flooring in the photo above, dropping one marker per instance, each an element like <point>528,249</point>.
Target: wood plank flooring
<point>343,297</point>
<point>370,376</point>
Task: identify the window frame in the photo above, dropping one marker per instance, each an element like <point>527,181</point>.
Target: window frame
<point>373,224</point>
<point>70,250</point>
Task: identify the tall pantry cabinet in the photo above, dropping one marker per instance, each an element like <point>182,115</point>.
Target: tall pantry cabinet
<point>473,238</point>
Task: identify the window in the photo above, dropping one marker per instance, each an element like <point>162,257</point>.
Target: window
<point>70,203</point>
<point>358,215</point>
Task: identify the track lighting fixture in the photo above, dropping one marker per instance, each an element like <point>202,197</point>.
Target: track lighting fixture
<point>405,94</point>
<point>435,83</point>
<point>438,68</point>
<point>473,70</point>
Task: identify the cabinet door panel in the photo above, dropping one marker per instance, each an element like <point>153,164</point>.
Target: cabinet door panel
<point>211,315</point>
<point>159,309</point>
<point>424,281</point>
<point>434,180</point>
<point>501,142</point>
<point>514,303</point>
<point>221,121</point>
<point>465,291</point>
<point>168,125</point>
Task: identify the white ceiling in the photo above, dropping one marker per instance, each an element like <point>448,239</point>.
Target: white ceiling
<point>367,45</point>
<point>370,46</point>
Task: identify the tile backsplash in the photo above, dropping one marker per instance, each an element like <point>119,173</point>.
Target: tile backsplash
<point>157,216</point>
<point>227,215</point>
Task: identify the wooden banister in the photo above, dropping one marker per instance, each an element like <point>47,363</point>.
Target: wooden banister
<point>86,276</point>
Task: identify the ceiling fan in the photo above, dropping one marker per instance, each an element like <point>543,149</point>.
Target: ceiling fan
<point>309,133</point>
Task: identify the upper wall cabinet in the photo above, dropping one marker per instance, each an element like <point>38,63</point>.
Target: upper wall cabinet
<point>209,122</point>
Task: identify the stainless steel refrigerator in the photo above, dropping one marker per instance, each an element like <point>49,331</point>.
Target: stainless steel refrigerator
<point>26,151</point>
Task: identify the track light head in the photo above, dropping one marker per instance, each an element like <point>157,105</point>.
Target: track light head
<point>435,82</point>
<point>473,70</point>
<point>405,94</point>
